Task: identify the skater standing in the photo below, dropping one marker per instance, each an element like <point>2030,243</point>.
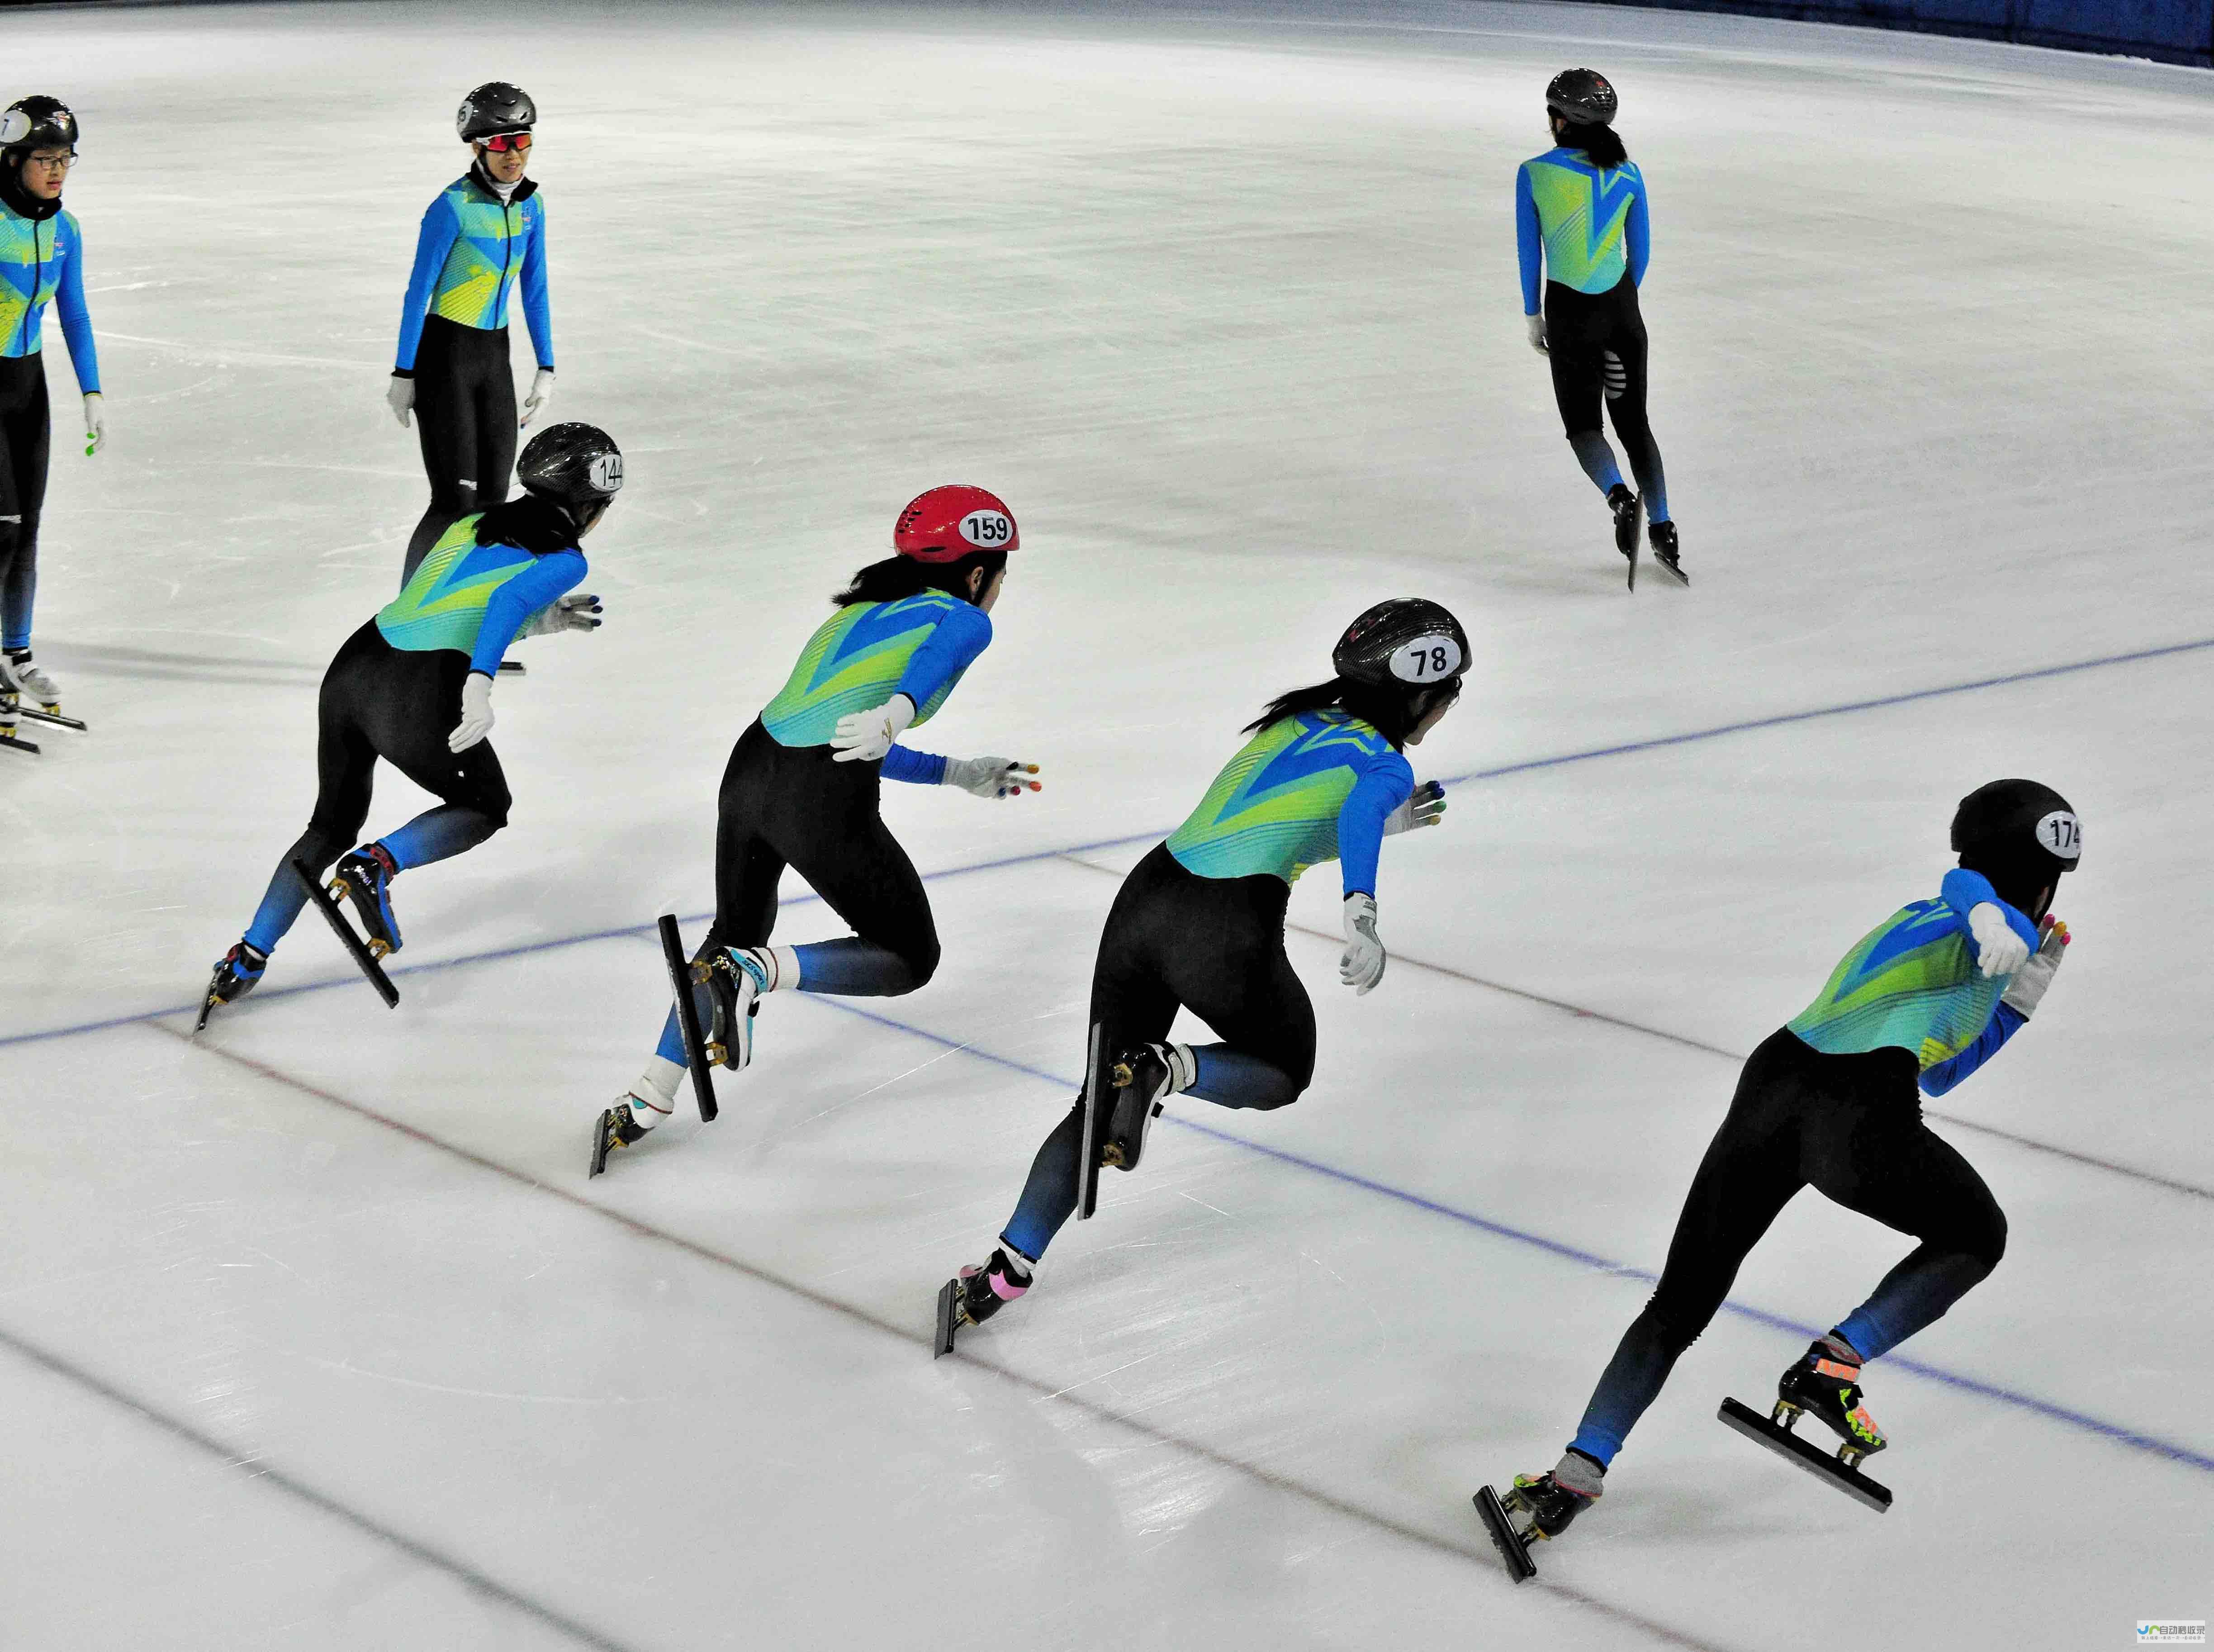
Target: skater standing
<point>485,230</point>
<point>413,686</point>
<point>801,791</point>
<point>41,261</point>
<point>1830,1099</point>
<point>1580,213</point>
<point>1199,923</point>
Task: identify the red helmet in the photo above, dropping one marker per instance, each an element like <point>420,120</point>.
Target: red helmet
<point>947,524</point>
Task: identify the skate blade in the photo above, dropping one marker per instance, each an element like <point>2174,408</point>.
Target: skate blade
<point>1514,1551</point>
<point>1820,1464</point>
<point>605,1143</point>
<point>948,1295</point>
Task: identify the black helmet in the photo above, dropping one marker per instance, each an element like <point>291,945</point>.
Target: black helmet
<point>1584,97</point>
<point>37,122</point>
<point>1408,643</point>
<point>573,464</point>
<point>494,108</point>
<point>2020,835</point>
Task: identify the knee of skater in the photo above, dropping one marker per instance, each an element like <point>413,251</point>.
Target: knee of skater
<point>496,808</point>
<point>1991,1250</point>
<point>922,962</point>
<point>1294,1086</point>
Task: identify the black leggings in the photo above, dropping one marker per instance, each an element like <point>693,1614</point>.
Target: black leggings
<point>26,433</point>
<point>399,705</point>
<point>1595,345</point>
<point>1851,1127</point>
<point>1174,939</point>
<point>794,806</point>
<point>465,419</point>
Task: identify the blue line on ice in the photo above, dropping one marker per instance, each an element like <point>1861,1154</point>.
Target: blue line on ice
<point>2044,1407</point>
<point>1659,742</point>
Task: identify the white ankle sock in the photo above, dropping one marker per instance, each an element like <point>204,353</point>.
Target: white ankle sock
<point>655,1092</point>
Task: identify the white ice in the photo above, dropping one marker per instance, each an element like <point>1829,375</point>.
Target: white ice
<point>313,1333</point>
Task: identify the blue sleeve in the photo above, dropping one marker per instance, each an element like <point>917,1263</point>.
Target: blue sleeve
<point>432,243</point>
<point>1388,783</point>
<point>1963,890</point>
<point>549,579</point>
<point>915,768</point>
<point>536,308</point>
<point>2006,1020</point>
<point>1529,238</point>
<point>1639,234</point>
<point>77,320</point>
<point>953,645</point>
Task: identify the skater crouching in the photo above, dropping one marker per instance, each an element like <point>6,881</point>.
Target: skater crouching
<point>801,790</point>
<point>1830,1099</point>
<point>1199,924</point>
<point>413,686</point>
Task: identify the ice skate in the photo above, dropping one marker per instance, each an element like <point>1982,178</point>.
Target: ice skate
<point>19,677</point>
<point>1537,1508</point>
<point>365,877</point>
<point>735,977</point>
<point>1826,1384</point>
<point>618,1127</point>
<point>1141,1077</point>
<point>238,974</point>
<point>1667,552</point>
<point>1625,506</point>
<point>975,1295</point>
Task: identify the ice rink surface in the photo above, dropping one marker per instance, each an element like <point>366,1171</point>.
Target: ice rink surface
<point>314,1333</point>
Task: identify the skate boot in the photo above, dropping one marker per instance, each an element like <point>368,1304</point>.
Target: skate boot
<point>1826,1383</point>
<point>238,974</point>
<point>1666,553</point>
<point>365,877</point>
<point>1625,506</point>
<point>22,677</point>
<point>736,977</point>
<point>1141,1076</point>
<point>986,1290</point>
<point>1551,1500</point>
<point>618,1127</point>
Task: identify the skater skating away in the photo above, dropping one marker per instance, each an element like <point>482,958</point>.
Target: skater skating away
<point>485,230</point>
<point>1199,923</point>
<point>1829,1100</point>
<point>41,262</point>
<point>1580,213</point>
<point>801,790</point>
<point>413,686</point>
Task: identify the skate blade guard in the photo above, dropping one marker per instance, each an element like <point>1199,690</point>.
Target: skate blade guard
<point>1823,1466</point>
<point>364,960</point>
<point>687,1015</point>
<point>1514,1548</point>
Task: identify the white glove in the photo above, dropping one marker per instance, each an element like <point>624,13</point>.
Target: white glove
<point>1427,807</point>
<point>990,777</point>
<point>1534,326</point>
<point>476,713</point>
<point>2029,983</point>
<point>579,613</point>
<point>1999,950</point>
<point>95,426</point>
<point>1362,965</point>
<point>542,392</point>
<point>400,397</point>
<point>865,737</point>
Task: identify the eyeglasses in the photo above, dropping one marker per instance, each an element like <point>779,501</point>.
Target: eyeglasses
<point>56,162</point>
<point>501,142</point>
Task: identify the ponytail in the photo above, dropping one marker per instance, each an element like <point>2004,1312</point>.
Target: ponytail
<point>1602,145</point>
<point>903,575</point>
<point>1389,712</point>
